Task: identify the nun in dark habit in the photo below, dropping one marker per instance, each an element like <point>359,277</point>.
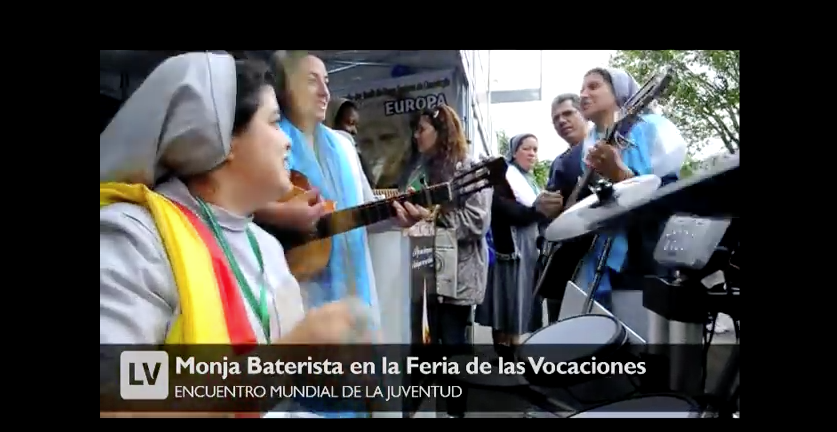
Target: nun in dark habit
<point>518,207</point>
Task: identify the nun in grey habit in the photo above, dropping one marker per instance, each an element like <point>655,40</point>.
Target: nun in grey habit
<point>509,307</point>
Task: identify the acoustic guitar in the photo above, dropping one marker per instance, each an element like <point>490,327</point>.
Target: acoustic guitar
<point>563,259</point>
<point>308,253</point>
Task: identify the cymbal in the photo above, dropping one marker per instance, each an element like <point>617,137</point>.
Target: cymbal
<point>575,220</point>
<point>713,194</point>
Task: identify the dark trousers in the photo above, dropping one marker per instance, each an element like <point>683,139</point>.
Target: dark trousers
<point>448,328</point>
<point>449,323</point>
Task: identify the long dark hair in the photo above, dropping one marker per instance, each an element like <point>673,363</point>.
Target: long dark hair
<point>451,145</point>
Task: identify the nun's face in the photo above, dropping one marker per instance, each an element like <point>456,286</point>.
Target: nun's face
<point>260,151</point>
<point>527,154</point>
<point>596,96</point>
<point>308,88</point>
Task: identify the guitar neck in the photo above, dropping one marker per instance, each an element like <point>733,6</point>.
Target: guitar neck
<point>371,213</point>
<point>582,183</point>
<point>590,174</point>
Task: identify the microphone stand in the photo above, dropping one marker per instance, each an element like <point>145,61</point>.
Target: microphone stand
<point>604,191</point>
<point>601,265</point>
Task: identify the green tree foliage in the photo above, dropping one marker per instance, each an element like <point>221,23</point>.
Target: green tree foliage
<point>541,170</point>
<point>690,166</point>
<point>704,98</point>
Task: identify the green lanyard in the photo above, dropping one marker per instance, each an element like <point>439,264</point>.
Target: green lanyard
<point>415,180</point>
<point>259,306</point>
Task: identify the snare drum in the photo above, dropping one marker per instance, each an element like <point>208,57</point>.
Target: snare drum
<point>648,406</point>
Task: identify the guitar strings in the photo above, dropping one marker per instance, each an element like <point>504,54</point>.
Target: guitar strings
<point>428,192</point>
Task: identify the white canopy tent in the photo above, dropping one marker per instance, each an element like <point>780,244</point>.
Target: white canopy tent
<point>122,71</point>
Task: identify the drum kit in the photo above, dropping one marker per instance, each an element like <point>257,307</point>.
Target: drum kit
<point>693,244</point>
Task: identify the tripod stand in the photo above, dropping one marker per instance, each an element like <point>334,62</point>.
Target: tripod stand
<point>601,265</point>
<point>604,192</point>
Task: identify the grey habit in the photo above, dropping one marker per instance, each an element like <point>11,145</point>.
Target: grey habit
<point>178,122</point>
<point>509,306</point>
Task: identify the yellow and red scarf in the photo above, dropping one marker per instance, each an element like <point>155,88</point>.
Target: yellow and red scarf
<point>211,307</point>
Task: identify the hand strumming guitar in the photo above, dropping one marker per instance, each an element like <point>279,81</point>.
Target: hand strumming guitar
<point>300,213</point>
<point>607,161</point>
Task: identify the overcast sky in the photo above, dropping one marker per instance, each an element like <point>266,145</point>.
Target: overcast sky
<point>562,73</point>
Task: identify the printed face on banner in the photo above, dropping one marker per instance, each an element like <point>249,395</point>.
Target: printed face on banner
<point>384,136</point>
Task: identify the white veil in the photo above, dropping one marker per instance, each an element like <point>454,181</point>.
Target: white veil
<point>178,121</point>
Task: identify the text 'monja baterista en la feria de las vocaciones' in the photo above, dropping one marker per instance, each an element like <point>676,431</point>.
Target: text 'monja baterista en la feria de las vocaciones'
<point>254,365</point>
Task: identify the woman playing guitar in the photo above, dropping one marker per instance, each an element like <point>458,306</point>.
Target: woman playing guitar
<point>657,147</point>
<point>329,163</point>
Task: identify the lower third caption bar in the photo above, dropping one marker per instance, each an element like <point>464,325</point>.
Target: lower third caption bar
<point>384,392</point>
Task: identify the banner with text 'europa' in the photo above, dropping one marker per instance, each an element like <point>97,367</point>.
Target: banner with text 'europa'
<point>386,107</point>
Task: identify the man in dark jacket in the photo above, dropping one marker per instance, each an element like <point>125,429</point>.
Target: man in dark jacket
<point>566,169</point>
<point>572,127</point>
